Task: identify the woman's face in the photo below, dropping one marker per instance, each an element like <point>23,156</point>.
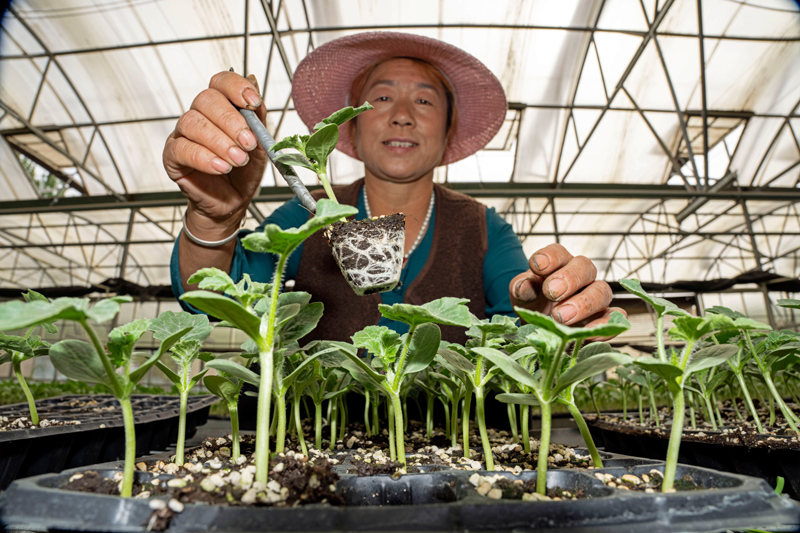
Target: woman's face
<point>404,137</point>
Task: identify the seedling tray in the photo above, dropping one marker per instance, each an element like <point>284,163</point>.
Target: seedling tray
<point>439,501</point>
<point>100,436</point>
<point>738,458</point>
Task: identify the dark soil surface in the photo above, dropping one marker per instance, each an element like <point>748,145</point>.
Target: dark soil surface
<point>734,433</point>
<point>8,423</point>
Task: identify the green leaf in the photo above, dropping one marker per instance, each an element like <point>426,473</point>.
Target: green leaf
<point>509,367</point>
<point>379,341</point>
<point>167,371</point>
<point>519,398</point>
<point>455,362</point>
<point>446,311</point>
<point>122,339</point>
<point>224,308</point>
<point>321,143</point>
<point>295,160</point>
<point>303,323</point>
<point>223,388</point>
<point>298,142</point>
<point>350,352</point>
<point>589,367</point>
<point>424,345</point>
<point>709,357</point>
<point>718,379</point>
<point>105,310</point>
<point>79,360</point>
<point>616,324</point>
<point>593,349</point>
<point>13,343</point>
<point>343,115</point>
<point>667,371</point>
<point>211,279</point>
<point>235,370</point>
<point>789,303</point>
<point>499,325</point>
<point>694,328</point>
<point>185,352</point>
<point>662,306</point>
<point>744,323</point>
<point>197,378</point>
<point>169,322</point>
<point>728,312</point>
<point>17,315</point>
<point>278,241</point>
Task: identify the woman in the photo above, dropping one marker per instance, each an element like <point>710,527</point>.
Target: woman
<point>434,104</point>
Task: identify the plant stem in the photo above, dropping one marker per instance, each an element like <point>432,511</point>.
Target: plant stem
<point>525,414</point>
<point>662,354</point>
<point>710,412</point>
<point>465,414</point>
<point>280,435</point>
<point>653,406</point>
<point>376,419</point>
<point>299,425</point>
<point>594,402</point>
<point>678,417</point>
<point>233,410</point>
<point>392,447</point>
<point>343,416</point>
<point>691,415</point>
<point>587,436</point>
<point>544,450</point>
<point>323,178</point>
<point>787,414</point>
<point>265,356</point>
<point>479,416</point>
<point>398,429</point>
<point>318,425</point>
<point>641,410</point>
<point>716,412</point>
<point>179,447</point>
<point>26,391</point>
<point>451,416</point>
<point>367,421</point>
<point>130,447</point>
<point>429,415</point>
<point>101,353</point>
<point>334,420</point>
<point>748,400</point>
<point>512,421</point>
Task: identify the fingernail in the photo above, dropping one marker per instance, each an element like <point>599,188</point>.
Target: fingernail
<point>541,261</point>
<point>524,291</point>
<point>221,166</point>
<point>252,97</point>
<point>566,313</point>
<point>238,155</point>
<point>556,288</point>
<point>247,139</point>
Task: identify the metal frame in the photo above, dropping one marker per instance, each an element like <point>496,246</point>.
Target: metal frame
<point>638,246</point>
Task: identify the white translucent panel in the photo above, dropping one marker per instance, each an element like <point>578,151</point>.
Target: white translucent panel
<point>622,15</point>
<point>783,155</point>
<point>758,207</point>
<point>681,17</point>
<point>751,19</point>
<point>610,162</point>
<point>150,254</point>
<point>648,83</point>
<point>123,84</point>
<point>682,60</point>
<point>754,143</point>
<point>591,88</point>
<point>484,166</point>
<point>757,76</point>
<point>20,36</point>
<point>137,149</point>
<point>615,50</point>
<point>14,180</point>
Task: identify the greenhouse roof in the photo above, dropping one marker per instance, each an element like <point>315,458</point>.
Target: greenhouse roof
<point>619,142</point>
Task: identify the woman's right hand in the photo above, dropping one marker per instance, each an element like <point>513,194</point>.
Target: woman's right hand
<point>214,157</point>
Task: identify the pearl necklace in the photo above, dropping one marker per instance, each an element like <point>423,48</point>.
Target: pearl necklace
<point>422,230</point>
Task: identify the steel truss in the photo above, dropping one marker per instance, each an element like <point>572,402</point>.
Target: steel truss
<point>652,238</point>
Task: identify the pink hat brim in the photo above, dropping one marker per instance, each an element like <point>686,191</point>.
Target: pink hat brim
<point>322,81</point>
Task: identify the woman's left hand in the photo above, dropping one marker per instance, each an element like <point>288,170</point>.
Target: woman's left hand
<point>564,286</point>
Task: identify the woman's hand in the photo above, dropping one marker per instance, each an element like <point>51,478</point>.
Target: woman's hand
<point>214,157</point>
<point>563,286</point>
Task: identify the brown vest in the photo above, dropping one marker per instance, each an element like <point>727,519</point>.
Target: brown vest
<point>454,268</point>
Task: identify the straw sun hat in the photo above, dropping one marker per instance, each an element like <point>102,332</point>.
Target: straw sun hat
<point>322,82</point>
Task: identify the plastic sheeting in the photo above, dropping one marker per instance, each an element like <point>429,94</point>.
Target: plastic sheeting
<point>600,92</point>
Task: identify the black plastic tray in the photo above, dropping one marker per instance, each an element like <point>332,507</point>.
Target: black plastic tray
<point>99,438</point>
<point>440,501</point>
<point>737,458</point>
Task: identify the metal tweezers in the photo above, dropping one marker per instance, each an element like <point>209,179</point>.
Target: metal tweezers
<point>266,141</point>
